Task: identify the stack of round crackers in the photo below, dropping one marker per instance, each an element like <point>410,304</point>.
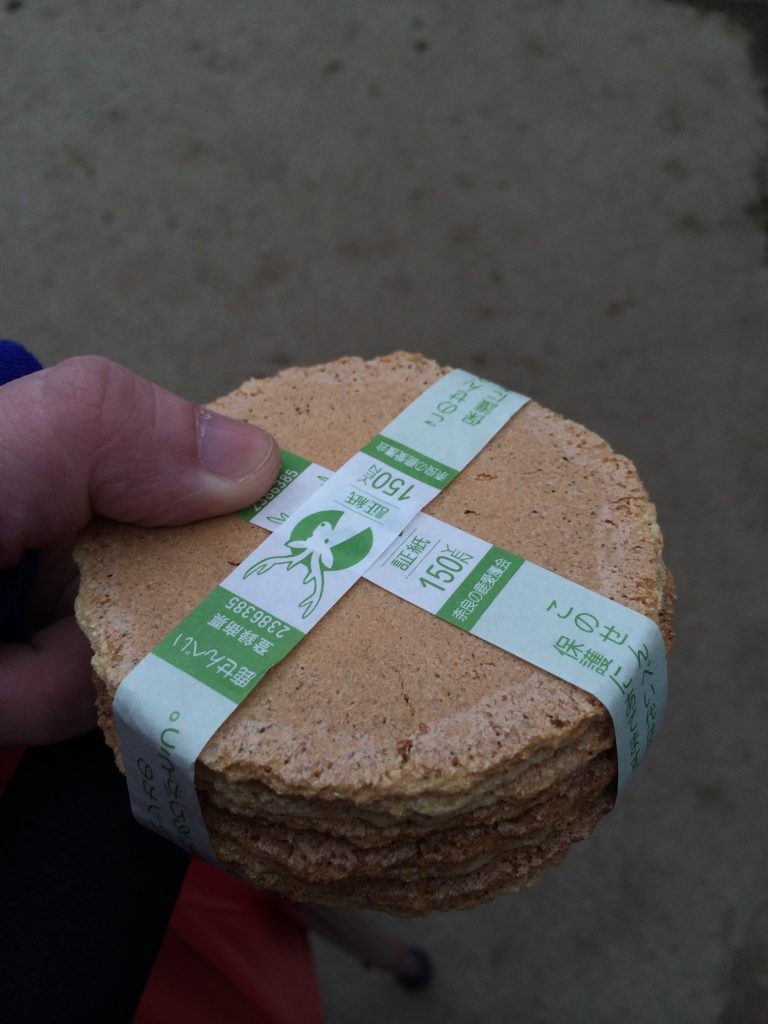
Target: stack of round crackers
<point>391,760</point>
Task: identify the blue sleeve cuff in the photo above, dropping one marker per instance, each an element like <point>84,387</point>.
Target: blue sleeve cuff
<point>15,361</point>
<point>15,583</point>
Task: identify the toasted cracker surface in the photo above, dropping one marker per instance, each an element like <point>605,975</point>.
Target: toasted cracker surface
<point>378,677</point>
<point>389,743</point>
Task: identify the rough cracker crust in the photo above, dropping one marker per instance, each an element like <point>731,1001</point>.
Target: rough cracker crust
<point>315,855</point>
<point>511,871</point>
<point>419,752</point>
<point>460,709</point>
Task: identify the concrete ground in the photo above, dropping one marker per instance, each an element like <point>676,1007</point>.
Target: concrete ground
<point>564,195</point>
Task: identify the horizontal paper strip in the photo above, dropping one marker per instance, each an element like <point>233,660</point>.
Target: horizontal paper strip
<point>599,645</point>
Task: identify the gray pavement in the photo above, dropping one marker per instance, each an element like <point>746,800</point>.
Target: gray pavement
<point>564,195</point>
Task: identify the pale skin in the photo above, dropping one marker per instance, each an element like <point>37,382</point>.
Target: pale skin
<point>89,437</point>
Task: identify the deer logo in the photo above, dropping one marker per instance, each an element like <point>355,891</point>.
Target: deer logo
<point>320,546</point>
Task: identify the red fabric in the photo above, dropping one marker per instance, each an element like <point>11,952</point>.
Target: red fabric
<point>231,954</point>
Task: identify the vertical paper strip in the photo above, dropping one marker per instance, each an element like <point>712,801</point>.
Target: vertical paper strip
<point>317,551</point>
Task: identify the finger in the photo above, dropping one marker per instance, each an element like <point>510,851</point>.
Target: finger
<point>47,694</point>
<point>89,436</point>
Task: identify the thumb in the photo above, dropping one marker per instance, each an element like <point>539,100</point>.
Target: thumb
<point>89,436</point>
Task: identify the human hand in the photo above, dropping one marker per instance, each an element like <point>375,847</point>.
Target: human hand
<point>89,437</point>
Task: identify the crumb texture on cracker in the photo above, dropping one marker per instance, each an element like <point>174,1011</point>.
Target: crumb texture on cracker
<point>385,721</point>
